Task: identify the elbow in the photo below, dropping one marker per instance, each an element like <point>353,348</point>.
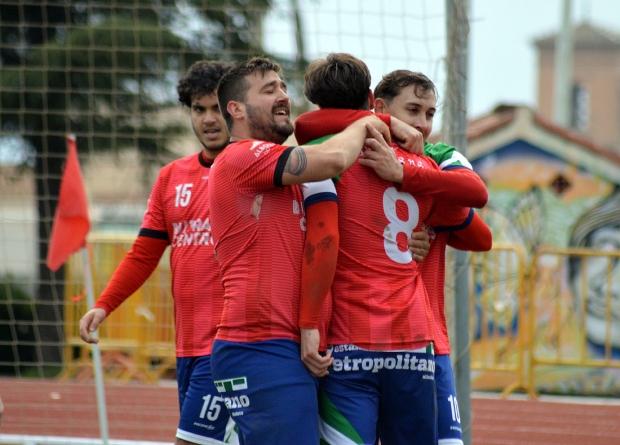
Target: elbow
<point>487,242</point>
<point>487,245</point>
<point>338,164</point>
<point>344,162</point>
<point>485,197</point>
<point>482,197</point>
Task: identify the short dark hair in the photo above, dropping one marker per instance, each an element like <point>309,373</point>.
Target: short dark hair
<point>393,83</point>
<point>233,86</point>
<point>338,81</point>
<point>201,80</point>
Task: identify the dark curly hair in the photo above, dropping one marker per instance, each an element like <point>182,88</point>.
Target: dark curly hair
<point>201,80</point>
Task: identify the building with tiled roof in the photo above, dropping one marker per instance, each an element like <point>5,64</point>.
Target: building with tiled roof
<point>542,178</point>
<point>596,83</point>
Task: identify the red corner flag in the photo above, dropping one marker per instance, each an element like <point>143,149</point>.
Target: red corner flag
<point>71,223</point>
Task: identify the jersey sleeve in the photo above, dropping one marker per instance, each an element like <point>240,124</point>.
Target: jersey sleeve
<point>314,192</point>
<point>446,217</point>
<point>320,250</point>
<point>454,182</point>
<point>446,156</point>
<point>476,237</point>
<point>154,220</point>
<point>256,166</point>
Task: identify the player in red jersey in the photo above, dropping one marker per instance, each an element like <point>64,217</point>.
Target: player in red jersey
<point>381,314</point>
<point>178,216</point>
<point>258,223</point>
<point>411,97</point>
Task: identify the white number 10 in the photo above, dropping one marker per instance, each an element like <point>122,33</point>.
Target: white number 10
<point>454,405</point>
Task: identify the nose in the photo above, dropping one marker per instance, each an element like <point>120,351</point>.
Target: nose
<point>421,125</point>
<point>282,96</point>
<point>209,117</point>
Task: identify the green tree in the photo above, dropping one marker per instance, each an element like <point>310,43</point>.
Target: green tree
<point>101,70</point>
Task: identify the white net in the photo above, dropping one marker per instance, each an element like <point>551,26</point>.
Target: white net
<point>106,71</point>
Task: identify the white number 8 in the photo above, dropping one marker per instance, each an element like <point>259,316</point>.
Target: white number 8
<point>396,225</point>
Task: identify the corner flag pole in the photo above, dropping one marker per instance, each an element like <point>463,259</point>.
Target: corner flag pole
<point>69,230</point>
<point>90,301</point>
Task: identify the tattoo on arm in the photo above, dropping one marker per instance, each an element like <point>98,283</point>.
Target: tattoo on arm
<point>297,162</point>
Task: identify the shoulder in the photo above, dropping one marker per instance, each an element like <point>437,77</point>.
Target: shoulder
<point>446,156</point>
<point>405,157</point>
<point>253,147</point>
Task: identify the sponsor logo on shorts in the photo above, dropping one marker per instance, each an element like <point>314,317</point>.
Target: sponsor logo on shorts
<point>234,402</point>
<point>237,403</point>
<point>344,348</point>
<point>236,384</point>
<point>406,362</point>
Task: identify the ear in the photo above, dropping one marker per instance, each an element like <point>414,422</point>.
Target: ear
<point>380,106</point>
<point>236,109</point>
<point>371,99</point>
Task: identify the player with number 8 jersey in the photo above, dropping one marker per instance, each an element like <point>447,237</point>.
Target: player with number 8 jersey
<point>381,385</point>
<point>379,299</point>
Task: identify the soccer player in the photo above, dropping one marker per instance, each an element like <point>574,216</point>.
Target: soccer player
<point>412,97</point>
<point>178,216</point>
<point>381,329</point>
<point>258,224</point>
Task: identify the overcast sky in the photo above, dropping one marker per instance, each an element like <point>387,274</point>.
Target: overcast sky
<point>393,34</point>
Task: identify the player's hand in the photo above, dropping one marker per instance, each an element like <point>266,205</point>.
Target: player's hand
<point>1,411</point>
<point>90,322</point>
<point>407,137</point>
<point>376,124</point>
<point>419,245</point>
<point>315,362</point>
<point>381,158</point>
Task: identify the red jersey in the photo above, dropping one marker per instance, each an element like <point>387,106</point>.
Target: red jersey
<point>379,299</point>
<point>178,210</point>
<point>259,231</point>
<point>433,271</point>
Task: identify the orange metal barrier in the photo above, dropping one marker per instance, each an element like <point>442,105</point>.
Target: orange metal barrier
<point>497,308</point>
<point>530,323</point>
<point>137,339</point>
<point>574,319</point>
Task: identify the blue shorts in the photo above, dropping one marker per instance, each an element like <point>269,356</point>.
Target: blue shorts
<point>369,395</point>
<point>449,419</point>
<point>204,418</point>
<point>268,391</point>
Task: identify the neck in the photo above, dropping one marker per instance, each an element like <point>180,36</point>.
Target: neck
<point>239,133</point>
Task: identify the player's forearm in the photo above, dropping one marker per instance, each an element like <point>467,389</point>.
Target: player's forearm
<point>329,159</point>
<point>319,261</point>
<point>460,186</point>
<point>476,237</point>
<point>132,272</point>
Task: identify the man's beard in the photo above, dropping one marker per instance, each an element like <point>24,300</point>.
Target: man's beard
<point>264,127</point>
<point>210,145</point>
